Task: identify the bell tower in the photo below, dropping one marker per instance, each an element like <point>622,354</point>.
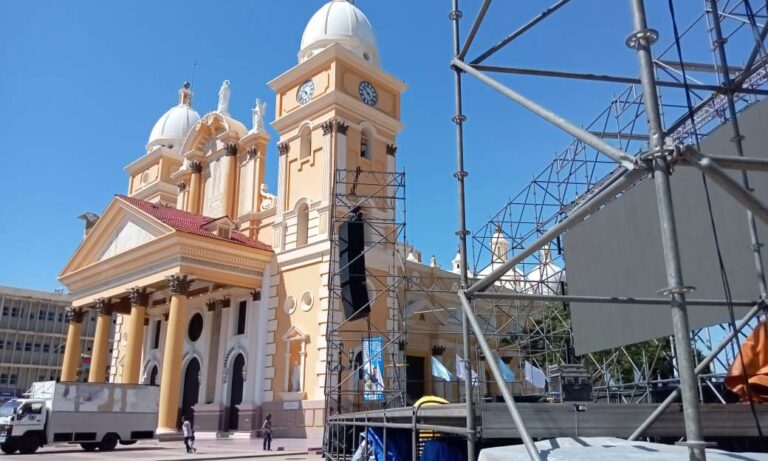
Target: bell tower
<point>336,109</point>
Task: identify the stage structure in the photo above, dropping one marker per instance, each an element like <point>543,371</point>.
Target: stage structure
<point>649,132</point>
<point>360,345</point>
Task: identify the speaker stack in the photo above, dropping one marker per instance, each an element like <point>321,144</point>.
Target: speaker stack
<point>354,293</point>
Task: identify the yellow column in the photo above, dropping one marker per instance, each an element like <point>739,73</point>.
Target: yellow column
<point>100,354</point>
<point>229,174</point>
<point>170,381</point>
<point>72,349</point>
<point>139,302</point>
<point>193,203</point>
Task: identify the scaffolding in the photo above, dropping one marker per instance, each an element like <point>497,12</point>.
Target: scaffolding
<point>517,303</point>
<point>379,197</point>
<point>596,167</point>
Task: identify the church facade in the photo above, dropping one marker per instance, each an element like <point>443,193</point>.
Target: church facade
<point>215,289</point>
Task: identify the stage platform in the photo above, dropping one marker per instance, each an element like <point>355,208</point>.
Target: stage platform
<point>550,420</point>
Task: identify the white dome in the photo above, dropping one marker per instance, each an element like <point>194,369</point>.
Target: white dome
<point>172,127</point>
<point>339,21</point>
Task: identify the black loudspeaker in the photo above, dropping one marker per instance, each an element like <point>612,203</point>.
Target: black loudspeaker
<point>351,237</point>
<point>354,293</point>
<point>354,298</point>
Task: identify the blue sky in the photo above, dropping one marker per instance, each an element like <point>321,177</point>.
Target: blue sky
<point>82,83</point>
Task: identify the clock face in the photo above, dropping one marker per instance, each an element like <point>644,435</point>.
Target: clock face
<point>368,93</point>
<point>305,92</point>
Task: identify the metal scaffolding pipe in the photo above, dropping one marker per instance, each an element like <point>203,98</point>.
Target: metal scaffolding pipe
<point>727,162</point>
<point>621,182</point>
<point>540,17</point>
<point>703,365</point>
<point>460,175</point>
<point>609,79</point>
<point>728,184</point>
<point>619,156</point>
<point>606,299</point>
<point>496,372</point>
<point>475,27</point>
<point>641,40</point>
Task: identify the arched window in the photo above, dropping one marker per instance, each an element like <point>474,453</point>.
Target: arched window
<point>302,224</point>
<point>306,142</point>
<point>366,144</point>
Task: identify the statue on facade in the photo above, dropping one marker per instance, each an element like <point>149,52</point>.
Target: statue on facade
<point>224,98</point>
<point>258,112</point>
<point>295,381</point>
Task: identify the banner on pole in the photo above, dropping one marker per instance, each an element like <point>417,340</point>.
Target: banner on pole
<point>373,364</point>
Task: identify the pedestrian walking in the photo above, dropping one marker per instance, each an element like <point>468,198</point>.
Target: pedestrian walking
<point>189,435</point>
<point>266,432</point>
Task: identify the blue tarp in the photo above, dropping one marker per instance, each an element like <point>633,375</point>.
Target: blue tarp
<point>445,450</point>
<point>398,444</point>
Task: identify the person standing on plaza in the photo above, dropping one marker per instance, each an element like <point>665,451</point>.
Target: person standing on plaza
<point>266,432</point>
<point>189,435</point>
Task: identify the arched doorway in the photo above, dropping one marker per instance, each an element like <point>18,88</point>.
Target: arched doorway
<point>191,390</point>
<point>236,391</point>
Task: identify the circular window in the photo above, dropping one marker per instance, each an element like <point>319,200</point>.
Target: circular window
<point>290,305</point>
<point>145,177</point>
<point>306,301</point>
<point>195,327</point>
<point>366,56</point>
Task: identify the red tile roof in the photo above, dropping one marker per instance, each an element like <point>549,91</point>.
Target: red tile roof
<point>189,223</point>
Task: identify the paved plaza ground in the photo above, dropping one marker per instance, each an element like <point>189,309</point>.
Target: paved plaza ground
<point>207,449</point>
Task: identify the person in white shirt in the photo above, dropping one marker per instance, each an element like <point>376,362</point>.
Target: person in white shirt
<point>189,435</point>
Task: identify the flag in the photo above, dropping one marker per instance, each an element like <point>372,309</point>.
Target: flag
<point>506,372</point>
<point>440,371</point>
<point>534,375</point>
<point>460,370</point>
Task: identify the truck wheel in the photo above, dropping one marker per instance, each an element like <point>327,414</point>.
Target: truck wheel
<point>9,448</point>
<point>29,444</point>
<point>109,442</point>
<point>89,446</point>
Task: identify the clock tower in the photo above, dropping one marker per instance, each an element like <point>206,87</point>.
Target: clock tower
<point>336,109</point>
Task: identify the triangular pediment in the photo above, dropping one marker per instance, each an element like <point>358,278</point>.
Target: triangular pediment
<point>121,228</point>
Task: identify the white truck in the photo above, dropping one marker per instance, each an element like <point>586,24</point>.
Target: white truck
<point>92,415</point>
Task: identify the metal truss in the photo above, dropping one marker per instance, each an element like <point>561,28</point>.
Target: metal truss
<point>646,128</point>
<point>380,197</point>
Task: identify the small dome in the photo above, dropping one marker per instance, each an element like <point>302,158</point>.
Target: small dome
<point>339,21</point>
<point>172,127</point>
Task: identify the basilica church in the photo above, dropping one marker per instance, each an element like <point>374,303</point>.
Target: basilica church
<point>213,285</point>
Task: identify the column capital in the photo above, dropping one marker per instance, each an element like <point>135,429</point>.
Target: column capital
<point>195,166</point>
<point>283,148</point>
<point>74,315</point>
<point>341,126</point>
<point>104,306</point>
<point>138,296</point>
<point>179,284</point>
<point>182,186</point>
<point>256,295</point>
<point>252,153</point>
<point>210,305</point>
<point>391,149</point>
<point>226,302</point>
<point>327,127</point>
<point>230,149</point>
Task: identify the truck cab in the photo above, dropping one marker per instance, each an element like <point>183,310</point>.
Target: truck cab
<point>22,425</point>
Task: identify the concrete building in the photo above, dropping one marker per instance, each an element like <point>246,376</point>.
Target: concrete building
<point>33,333</point>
